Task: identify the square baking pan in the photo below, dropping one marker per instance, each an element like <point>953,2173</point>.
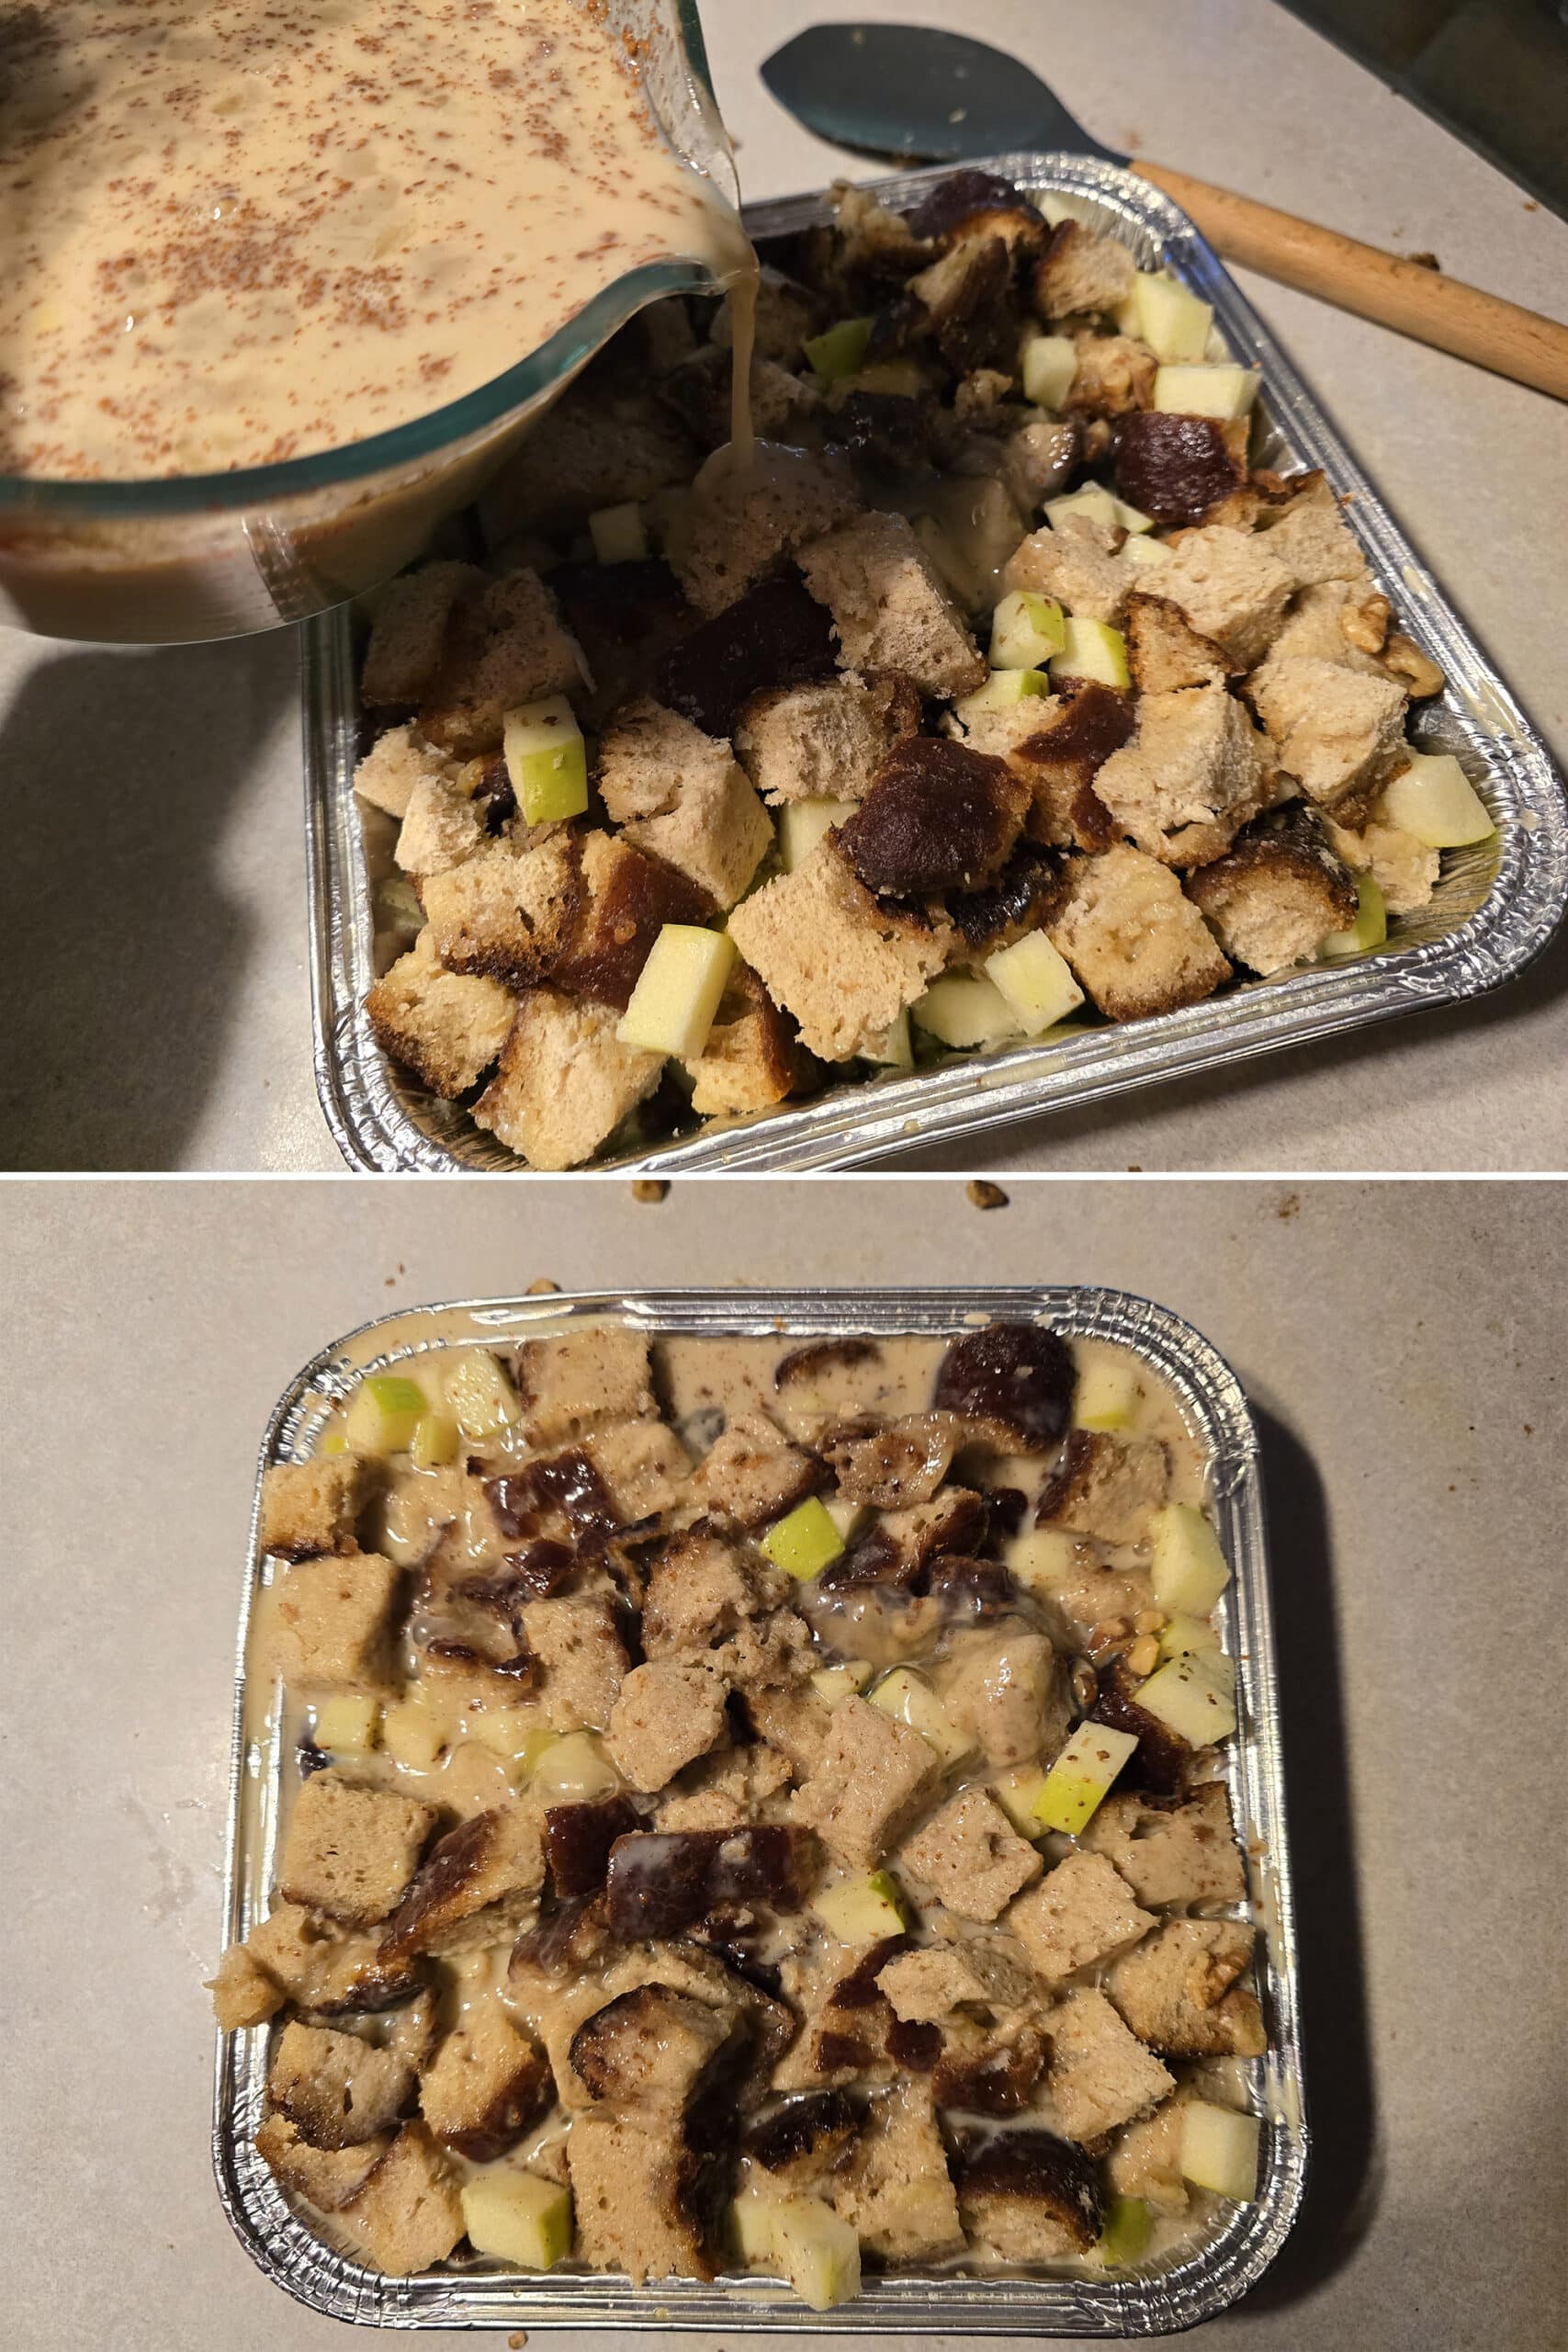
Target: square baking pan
<point>1191,2287</point>
<point>1496,906</point>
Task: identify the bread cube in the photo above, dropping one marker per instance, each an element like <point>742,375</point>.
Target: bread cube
<point>309,1506</point>
<point>446,1027</point>
<point>1058,748</point>
<point>750,1059</point>
<point>486,2084</point>
<point>582,1657</point>
<point>843,964</point>
<point>1311,537</point>
<point>1277,893</point>
<point>477,1886</point>
<point>1165,651</point>
<point>1178,1990</point>
<point>1079,273</point>
<point>895,2191</point>
<point>565,1080</point>
<point>504,646</point>
<point>1136,945</point>
<point>890,611</point>
<point>1106,1486</point>
<point>648,2049</point>
<point>1230,587</point>
<point>351,1851</point>
<point>739,528</point>
<point>1115,373</point>
<point>972,1856</point>
<point>336,2088</point>
<point>408,635</point>
<point>631,2185</point>
<point>1404,869</point>
<point>1082,1912</point>
<point>335,1617</point>
<point>1191,777</point>
<point>593,447</point>
<point>870,1777</point>
<point>1100,2075</point>
<point>1077,566</point>
<point>1172,1850</point>
<point>409,2214</point>
<point>505,915</point>
<point>826,741</point>
<point>395,763</point>
<point>669,1712</point>
<point>1336,732</point>
<point>594,1372</point>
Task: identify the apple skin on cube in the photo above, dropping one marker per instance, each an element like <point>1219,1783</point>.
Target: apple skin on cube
<point>1036,981</point>
<point>1093,650</point>
<point>1194,1696</point>
<point>804,823</point>
<point>519,2218</point>
<point>907,1699</point>
<point>1108,1395</point>
<point>965,1008</point>
<point>818,2253</point>
<point>1026,630</point>
<point>863,1910</point>
<point>678,989</point>
<point>1187,1568</point>
<point>383,1414</point>
<point>617,533</point>
<point>1000,690</point>
<point>1221,389</point>
<point>1219,2150</point>
<point>840,351</point>
<point>1021,1795</point>
<point>1370,928</point>
<point>1082,1774</point>
<point>1173,323</point>
<point>1434,799</point>
<point>545,760</point>
<point>1127,2229</point>
<point>1048,364</point>
<point>805,1541</point>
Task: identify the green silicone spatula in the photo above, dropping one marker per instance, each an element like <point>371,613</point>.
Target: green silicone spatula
<point>910,92</point>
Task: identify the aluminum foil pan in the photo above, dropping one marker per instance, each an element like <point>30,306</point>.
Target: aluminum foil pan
<point>1494,909</point>
<point>948,2303</point>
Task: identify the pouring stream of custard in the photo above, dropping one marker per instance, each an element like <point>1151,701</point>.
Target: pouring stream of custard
<point>243,230</point>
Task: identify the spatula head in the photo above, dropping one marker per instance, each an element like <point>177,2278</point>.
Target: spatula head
<point>910,92</point>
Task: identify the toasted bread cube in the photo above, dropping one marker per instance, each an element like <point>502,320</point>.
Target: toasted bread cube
<point>1137,946</point>
<point>870,1777</point>
<point>739,528</point>
<point>591,448</point>
<point>446,1027</point>
<point>594,1372</point>
<point>750,1060</point>
<point>327,2178</point>
<point>1057,746</point>
<point>243,1993</point>
<point>826,741</point>
<point>1079,273</point>
<point>309,1506</point>
<point>1404,869</point>
<point>478,1884</point>
<point>442,828</point>
<point>323,1966</point>
<point>1029,2197</point>
<point>1230,587</point>
<point>1076,565</point>
<point>407,636</point>
<point>1115,373</point>
<point>1191,777</point>
<point>1106,1487</point>
<point>1335,732</point>
<point>350,1851</point>
<point>751,1474</point>
<point>627,901</point>
<point>507,915</point>
<point>890,611</point>
<point>486,2084</point>
<point>648,2048</point>
<point>669,1712</point>
<point>1311,537</point>
<point>843,964</point>
<point>396,764</point>
<point>335,1617</point>
<point>700,1587</point>
<point>681,798</point>
<point>1100,2074</point>
<point>895,2190</point>
<point>631,2185</point>
<point>972,1856</point>
<point>505,647</point>
<point>1178,1990</point>
<point>583,1658</point>
<point>1172,1850</point>
<point>1278,892</point>
<point>565,1080</point>
<point>1082,1912</point>
<point>409,2214</point>
<point>336,2089</point>
<point>1165,652</point>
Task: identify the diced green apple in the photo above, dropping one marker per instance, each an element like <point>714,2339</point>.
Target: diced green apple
<point>1093,650</point>
<point>1188,1637</point>
<point>1000,690</point>
<point>518,2217</point>
<point>1099,504</point>
<point>841,351</point>
<point>1109,1394</point>
<point>1173,323</point>
<point>1043,1558</point>
<point>1219,2150</point>
<point>818,2253</point>
<point>1126,2229</point>
<point>1048,364</point>
<point>545,760</point>
<point>348,1725</point>
<point>892,1049</point>
<point>617,533</point>
<point>1082,1775</point>
<point>750,2228</point>
<point>1221,389</point>
<point>519,1735</point>
<point>1036,981</point>
<point>964,1009</point>
<point>901,376</point>
<point>1370,928</point>
<point>847,1517</point>
<point>1194,1696</point>
<point>863,1910</point>
<point>480,1391</point>
<point>571,1769</point>
<point>1435,800</point>
<point>678,989</point>
<point>1020,1795</point>
<point>804,823</point>
<point>383,1414</point>
<point>1026,630</point>
<point>413,1734</point>
<point>834,1684</point>
<point>434,1441</point>
<point>903,1695</point>
<point>1187,1568</point>
<point>1151,553</point>
<point>805,1541</point>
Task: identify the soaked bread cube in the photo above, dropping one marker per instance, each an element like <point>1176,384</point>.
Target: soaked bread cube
<point>631,2187</point>
<point>309,1507</point>
<point>1136,945</point>
<point>351,1851</point>
<point>448,1027</point>
<point>327,2177</point>
<point>1080,1913</point>
<point>738,528</point>
<point>972,1856</point>
<point>843,964</point>
<point>243,1993</point>
<point>895,2190</point>
<point>581,1656</point>
<point>486,2084</point>
<point>668,1713</point>
<point>1029,2197</point>
<point>409,2214</point>
<point>565,1080</point>
<point>1100,2074</point>
<point>478,1885</point>
<point>871,1779</point>
<point>595,1371</point>
<point>649,2048</point>
<point>1106,1486</point>
<point>751,1474</point>
<point>1178,1990</point>
<point>319,1964</point>
<point>336,2088</point>
<point>1172,1850</point>
<point>334,1619</point>
<point>890,611</point>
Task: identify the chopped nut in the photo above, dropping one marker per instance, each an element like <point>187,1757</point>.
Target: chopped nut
<point>649,1188</point>
<point>1144,1655</point>
<point>1150,1621</point>
<point>539,1288</point>
<point>985,1196</point>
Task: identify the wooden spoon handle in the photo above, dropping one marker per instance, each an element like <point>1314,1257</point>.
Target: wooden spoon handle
<point>1399,294</point>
